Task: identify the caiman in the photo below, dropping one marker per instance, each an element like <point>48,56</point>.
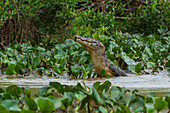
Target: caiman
<point>99,58</point>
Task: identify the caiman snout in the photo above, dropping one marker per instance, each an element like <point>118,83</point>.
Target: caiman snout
<point>76,36</point>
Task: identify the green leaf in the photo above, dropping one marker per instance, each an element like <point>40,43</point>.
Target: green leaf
<point>96,96</point>
<point>69,95</point>
<point>59,46</point>
<point>128,97</point>
<point>138,67</point>
<point>27,111</point>
<point>148,51</point>
<point>14,90</point>
<point>66,102</point>
<point>69,42</point>
<point>96,84</point>
<point>159,104</point>
<point>9,104</point>
<point>150,108</point>
<point>31,104</point>
<point>1,54</point>
<point>55,101</point>
<point>102,109</point>
<point>167,98</point>
<point>115,92</point>
<point>139,101</point>
<point>1,90</point>
<point>57,86</point>
<point>10,70</point>
<point>45,106</point>
<point>124,109</point>
<point>80,96</point>
<point>3,109</point>
<point>106,85</point>
<point>36,61</point>
<point>19,67</point>
<point>83,60</point>
<point>42,91</point>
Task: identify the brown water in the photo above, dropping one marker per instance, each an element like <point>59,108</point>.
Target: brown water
<point>159,83</point>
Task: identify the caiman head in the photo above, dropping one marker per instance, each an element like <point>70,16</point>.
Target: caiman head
<point>91,44</point>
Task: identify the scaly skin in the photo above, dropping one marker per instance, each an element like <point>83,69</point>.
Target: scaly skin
<point>100,60</point>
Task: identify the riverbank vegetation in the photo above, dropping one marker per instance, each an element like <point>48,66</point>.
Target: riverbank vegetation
<point>58,98</point>
<point>38,37</point>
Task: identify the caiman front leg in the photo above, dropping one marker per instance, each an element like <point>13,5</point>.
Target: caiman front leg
<point>114,69</point>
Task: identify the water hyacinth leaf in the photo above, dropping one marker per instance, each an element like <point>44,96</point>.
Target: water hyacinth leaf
<point>115,92</point>
<point>28,93</point>
<point>57,70</point>
<point>19,67</point>
<point>1,90</point>
<point>83,60</point>
<point>137,103</point>
<point>160,104</point>
<point>138,67</point>
<point>1,54</point>
<point>80,96</point>
<point>69,95</point>
<point>9,104</point>
<point>167,99</point>
<point>69,42</point>
<point>3,109</point>
<point>41,49</point>
<point>96,84</point>
<point>4,59</point>
<point>36,61</point>
<point>150,64</point>
<point>106,85</point>
<point>45,105</point>
<point>96,96</point>
<point>14,90</point>
<point>150,108</point>
<point>128,97</point>
<point>43,91</point>
<point>66,102</point>
<point>102,109</point>
<point>123,109</point>
<point>84,53</point>
<point>27,111</point>
<point>10,70</point>
<point>57,86</point>
<point>153,94</point>
<point>149,100</point>
<point>55,101</point>
<point>31,104</point>
<point>15,109</point>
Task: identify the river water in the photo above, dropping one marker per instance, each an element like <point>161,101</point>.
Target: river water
<point>145,84</point>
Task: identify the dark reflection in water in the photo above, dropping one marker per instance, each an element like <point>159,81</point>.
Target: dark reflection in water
<point>160,83</point>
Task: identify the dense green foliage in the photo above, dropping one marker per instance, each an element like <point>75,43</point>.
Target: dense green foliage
<point>36,36</point>
<point>70,57</point>
<point>80,98</point>
<point>63,58</point>
<point>136,31</point>
<point>21,20</point>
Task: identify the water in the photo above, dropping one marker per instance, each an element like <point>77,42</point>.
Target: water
<point>159,83</point>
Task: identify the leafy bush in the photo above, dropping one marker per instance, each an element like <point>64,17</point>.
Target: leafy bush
<point>63,58</point>
<point>150,52</point>
<point>29,20</point>
<point>80,98</point>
